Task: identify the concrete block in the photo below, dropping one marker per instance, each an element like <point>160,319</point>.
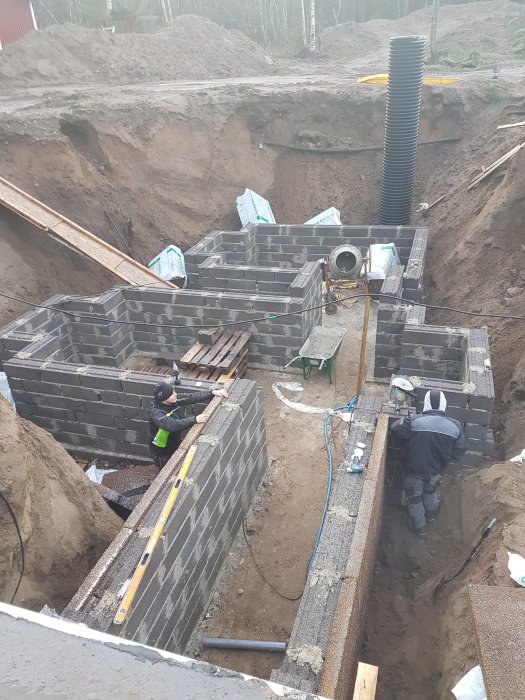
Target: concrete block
<point>23,369</point>
<point>95,419</point>
<point>101,379</point>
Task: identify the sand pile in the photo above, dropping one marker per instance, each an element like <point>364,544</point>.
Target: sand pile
<point>65,524</point>
<point>191,48</point>
<point>488,29</point>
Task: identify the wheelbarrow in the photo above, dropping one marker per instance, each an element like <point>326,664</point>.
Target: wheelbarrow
<point>320,350</point>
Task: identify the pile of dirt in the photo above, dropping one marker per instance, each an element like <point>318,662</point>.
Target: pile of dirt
<point>65,524</point>
<point>422,643</point>
<point>481,32</point>
<point>189,48</point>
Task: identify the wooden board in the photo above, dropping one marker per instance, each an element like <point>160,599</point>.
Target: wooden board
<point>74,236</point>
<point>365,682</point>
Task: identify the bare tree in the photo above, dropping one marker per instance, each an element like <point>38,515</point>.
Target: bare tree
<point>434,54</point>
<point>312,26</point>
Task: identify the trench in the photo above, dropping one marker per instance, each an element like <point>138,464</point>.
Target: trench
<point>173,176</point>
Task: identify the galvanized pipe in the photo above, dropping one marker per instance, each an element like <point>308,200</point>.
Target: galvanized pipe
<point>405,82</point>
<point>243,644</point>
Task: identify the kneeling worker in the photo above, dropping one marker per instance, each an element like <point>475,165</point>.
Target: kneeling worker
<point>166,423</point>
<point>433,440</point>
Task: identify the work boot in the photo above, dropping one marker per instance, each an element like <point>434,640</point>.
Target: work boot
<point>419,531</point>
<point>431,516</point>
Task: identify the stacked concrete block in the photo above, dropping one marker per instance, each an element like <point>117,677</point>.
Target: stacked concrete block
<point>391,319</point>
<point>88,409</point>
<point>470,397</point>
<point>413,276</point>
<point>228,467</point>
<point>310,636</point>
<point>434,352</point>
<point>294,245</point>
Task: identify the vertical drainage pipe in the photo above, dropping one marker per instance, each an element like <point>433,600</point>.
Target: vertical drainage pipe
<point>405,81</point>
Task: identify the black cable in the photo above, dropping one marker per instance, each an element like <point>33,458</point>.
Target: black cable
<point>477,314</point>
<point>22,553</point>
<point>260,572</point>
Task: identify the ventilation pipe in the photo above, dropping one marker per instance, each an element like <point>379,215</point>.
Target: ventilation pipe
<point>405,81</point>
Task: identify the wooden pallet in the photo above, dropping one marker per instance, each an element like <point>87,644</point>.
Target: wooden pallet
<point>227,357</point>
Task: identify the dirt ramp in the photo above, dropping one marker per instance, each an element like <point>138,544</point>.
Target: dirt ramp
<point>189,48</point>
<point>65,524</point>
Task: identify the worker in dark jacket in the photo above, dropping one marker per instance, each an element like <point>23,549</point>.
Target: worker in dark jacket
<point>166,423</point>
<point>432,441</point>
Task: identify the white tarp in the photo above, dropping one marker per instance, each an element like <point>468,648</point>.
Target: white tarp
<point>517,568</point>
<point>169,264</point>
<point>330,217</point>
<point>471,686</point>
<point>254,209</point>
<point>381,258</point>
<point>5,390</point>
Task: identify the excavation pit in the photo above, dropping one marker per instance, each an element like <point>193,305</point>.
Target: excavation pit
<point>75,364</point>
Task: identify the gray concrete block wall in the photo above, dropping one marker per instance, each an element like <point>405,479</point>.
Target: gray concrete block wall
<point>88,410</point>
<point>434,352</point>
<point>309,639</point>
<point>229,465</point>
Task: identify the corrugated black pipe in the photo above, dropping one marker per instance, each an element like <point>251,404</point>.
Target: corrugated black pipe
<point>405,81</point>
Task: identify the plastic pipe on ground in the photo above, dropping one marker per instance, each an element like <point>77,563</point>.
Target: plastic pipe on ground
<point>245,644</point>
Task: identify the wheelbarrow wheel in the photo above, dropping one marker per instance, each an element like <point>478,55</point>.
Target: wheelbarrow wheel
<point>307,371</point>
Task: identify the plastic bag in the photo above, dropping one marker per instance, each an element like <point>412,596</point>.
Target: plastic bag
<point>517,568</point>
<point>254,209</point>
<point>5,391</point>
<point>519,459</point>
<point>169,264</point>
<point>471,686</point>
<point>330,217</point>
<point>382,257</point>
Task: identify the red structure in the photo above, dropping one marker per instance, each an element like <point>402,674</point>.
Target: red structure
<point>16,19</point>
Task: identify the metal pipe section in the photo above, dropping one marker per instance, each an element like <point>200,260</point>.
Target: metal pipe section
<point>405,81</point>
<point>243,644</point>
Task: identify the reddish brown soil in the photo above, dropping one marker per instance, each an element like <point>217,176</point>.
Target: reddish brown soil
<point>423,646</point>
<point>65,524</point>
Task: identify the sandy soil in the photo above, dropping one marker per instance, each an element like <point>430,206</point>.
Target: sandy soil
<point>65,524</point>
<point>421,643</point>
<point>474,34</point>
<point>190,47</point>
<point>284,518</point>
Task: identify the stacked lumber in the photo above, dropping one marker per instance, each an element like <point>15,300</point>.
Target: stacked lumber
<point>225,357</point>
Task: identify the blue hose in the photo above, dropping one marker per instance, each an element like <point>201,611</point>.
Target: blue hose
<point>347,407</point>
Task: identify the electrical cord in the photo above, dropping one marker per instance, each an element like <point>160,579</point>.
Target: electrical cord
<point>261,573</point>
<point>433,307</point>
<point>22,553</point>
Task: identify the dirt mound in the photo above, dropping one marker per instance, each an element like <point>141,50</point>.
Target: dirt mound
<point>421,642</point>
<point>65,524</point>
<point>487,29</point>
<point>191,48</point>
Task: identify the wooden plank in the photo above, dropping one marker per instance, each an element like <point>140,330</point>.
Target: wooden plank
<point>497,164</point>
<point>76,237</point>
<point>238,348</point>
<point>219,349</point>
<point>510,126</point>
<point>192,352</point>
<point>365,682</point>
